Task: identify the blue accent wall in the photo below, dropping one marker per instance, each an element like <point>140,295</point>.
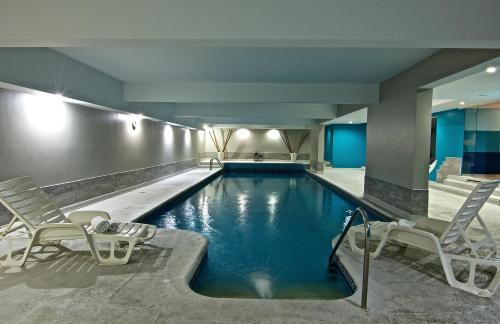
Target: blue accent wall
<point>449,136</point>
<point>328,143</point>
<point>345,145</point>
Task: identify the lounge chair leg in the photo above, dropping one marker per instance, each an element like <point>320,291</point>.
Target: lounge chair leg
<point>470,285</point>
<point>9,261</point>
<point>112,260</point>
<point>354,247</point>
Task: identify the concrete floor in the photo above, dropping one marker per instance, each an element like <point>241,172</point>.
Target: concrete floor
<point>65,286</point>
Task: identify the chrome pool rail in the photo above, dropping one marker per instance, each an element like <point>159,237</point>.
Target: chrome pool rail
<point>218,162</point>
<point>366,257</point>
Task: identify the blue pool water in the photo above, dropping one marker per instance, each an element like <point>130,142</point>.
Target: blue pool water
<point>269,235</point>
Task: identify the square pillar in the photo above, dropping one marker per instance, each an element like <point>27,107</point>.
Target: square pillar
<point>317,142</point>
<point>398,148</point>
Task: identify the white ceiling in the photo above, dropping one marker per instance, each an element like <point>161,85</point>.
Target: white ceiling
<point>474,90</point>
<point>256,64</point>
<point>356,117</point>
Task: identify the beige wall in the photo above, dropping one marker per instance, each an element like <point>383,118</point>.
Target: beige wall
<point>259,141</point>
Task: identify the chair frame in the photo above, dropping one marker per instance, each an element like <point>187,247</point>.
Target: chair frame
<point>28,202</point>
<point>451,244</point>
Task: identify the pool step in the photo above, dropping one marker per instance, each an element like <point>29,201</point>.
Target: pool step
<point>470,185</point>
<point>452,188</point>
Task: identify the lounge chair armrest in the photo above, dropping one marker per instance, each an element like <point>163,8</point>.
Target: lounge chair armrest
<point>59,225</point>
<point>85,216</point>
<point>59,231</point>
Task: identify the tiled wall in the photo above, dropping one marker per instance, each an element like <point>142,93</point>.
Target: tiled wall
<point>413,202</point>
<point>73,192</point>
<point>249,155</point>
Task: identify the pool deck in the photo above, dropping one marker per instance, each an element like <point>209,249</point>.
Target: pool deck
<point>260,162</point>
<point>442,205</point>
<point>67,287</point>
<point>134,204</point>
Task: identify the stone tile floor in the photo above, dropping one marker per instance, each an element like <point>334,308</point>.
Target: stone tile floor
<point>442,205</point>
<point>134,204</point>
<point>65,286</point>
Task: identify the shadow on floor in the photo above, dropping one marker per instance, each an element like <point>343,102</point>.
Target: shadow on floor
<point>59,267</point>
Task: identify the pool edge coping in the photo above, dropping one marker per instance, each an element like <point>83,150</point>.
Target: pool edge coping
<point>190,273</point>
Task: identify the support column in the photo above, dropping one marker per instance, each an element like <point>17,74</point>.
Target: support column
<point>399,130</point>
<point>398,146</point>
<point>317,140</point>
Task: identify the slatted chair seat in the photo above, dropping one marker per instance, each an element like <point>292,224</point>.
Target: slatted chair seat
<point>44,223</point>
<point>450,240</point>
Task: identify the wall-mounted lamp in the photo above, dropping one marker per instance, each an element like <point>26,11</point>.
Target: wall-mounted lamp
<point>59,97</point>
<point>46,112</point>
<point>491,69</point>
<point>243,133</point>
<point>135,120</point>
<point>273,134</point>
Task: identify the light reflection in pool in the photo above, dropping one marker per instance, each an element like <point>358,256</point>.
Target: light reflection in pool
<point>269,235</point>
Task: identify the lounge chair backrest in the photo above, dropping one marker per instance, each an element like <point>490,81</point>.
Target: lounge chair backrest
<point>28,203</point>
<point>468,211</point>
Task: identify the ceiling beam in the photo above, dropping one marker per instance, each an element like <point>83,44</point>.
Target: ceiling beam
<point>234,122</point>
<point>219,92</point>
<point>283,23</point>
<point>236,110</point>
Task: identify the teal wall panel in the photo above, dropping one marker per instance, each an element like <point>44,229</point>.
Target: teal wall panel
<point>449,136</point>
<point>345,145</point>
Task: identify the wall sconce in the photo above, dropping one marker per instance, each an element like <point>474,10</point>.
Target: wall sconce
<point>243,133</point>
<point>273,134</point>
<point>134,125</point>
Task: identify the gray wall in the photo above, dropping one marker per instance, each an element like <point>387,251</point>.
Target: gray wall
<point>393,123</point>
<point>46,70</point>
<point>59,142</point>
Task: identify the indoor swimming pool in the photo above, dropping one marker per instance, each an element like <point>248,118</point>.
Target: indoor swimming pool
<point>269,235</point>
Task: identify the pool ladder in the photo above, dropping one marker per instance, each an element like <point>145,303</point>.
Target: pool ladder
<point>366,258</point>
<point>218,162</point>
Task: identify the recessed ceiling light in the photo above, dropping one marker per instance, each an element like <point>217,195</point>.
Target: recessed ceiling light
<point>462,103</point>
<point>350,122</point>
<point>491,69</point>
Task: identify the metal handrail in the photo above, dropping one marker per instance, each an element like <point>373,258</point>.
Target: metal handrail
<point>218,162</point>
<point>366,257</point>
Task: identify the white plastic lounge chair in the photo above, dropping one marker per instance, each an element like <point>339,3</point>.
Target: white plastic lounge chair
<point>43,223</point>
<point>449,240</point>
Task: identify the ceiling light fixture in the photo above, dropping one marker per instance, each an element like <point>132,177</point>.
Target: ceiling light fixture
<point>462,103</point>
<point>491,69</point>
<point>350,122</point>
